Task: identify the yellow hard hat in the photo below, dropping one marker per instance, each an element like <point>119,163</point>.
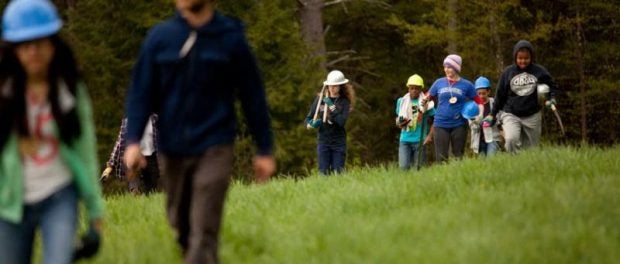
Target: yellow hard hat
<point>415,80</point>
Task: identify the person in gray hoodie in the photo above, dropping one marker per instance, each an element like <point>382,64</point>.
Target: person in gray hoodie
<point>517,97</point>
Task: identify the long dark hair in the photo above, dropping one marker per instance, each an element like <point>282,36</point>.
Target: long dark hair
<point>62,68</point>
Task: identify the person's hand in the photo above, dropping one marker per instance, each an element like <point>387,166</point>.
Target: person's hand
<point>315,123</point>
<point>328,101</point>
<point>134,159</point>
<point>403,122</point>
<point>489,119</point>
<point>427,140</point>
<point>106,174</point>
<point>264,167</point>
<point>478,119</point>
<point>89,243</point>
<point>550,103</point>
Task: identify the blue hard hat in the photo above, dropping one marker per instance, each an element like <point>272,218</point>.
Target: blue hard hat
<point>470,110</point>
<point>25,20</point>
<point>482,83</point>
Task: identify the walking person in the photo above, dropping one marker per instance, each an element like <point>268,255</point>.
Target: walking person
<point>451,93</point>
<point>48,160</point>
<point>147,178</point>
<point>190,70</point>
<point>414,122</point>
<point>328,114</point>
<point>517,97</point>
<point>480,144</point>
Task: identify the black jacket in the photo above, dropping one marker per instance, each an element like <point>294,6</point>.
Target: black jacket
<point>332,132</point>
<point>516,90</point>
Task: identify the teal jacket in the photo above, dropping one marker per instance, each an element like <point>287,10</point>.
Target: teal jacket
<point>81,158</point>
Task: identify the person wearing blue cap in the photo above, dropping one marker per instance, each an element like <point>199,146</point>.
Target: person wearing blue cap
<point>48,160</point>
<point>485,137</point>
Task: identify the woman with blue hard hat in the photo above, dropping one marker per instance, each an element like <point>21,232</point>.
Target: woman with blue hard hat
<point>48,159</point>
<point>486,143</point>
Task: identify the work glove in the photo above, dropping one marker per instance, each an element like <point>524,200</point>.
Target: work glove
<point>330,104</point>
<point>489,119</point>
<point>314,123</point>
<point>550,103</point>
<point>88,245</point>
<point>477,120</point>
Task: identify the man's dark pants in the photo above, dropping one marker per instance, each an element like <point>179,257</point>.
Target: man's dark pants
<point>196,189</point>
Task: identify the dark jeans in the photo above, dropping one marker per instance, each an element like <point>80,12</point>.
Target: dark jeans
<point>196,189</point>
<point>331,158</point>
<point>446,137</point>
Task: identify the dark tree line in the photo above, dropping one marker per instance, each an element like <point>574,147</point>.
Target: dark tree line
<point>377,44</point>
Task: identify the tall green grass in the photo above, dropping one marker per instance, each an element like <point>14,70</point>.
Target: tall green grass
<point>554,205</point>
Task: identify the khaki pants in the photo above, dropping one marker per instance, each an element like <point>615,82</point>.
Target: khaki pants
<point>521,132</point>
<point>196,189</point>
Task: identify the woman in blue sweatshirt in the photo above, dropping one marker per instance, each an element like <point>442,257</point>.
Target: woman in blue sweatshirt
<point>517,96</point>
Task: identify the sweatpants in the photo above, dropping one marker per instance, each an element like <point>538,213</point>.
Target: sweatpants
<point>196,189</point>
<point>446,137</point>
<point>521,132</point>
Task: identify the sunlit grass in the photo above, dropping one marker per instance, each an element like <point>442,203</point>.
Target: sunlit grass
<point>556,205</point>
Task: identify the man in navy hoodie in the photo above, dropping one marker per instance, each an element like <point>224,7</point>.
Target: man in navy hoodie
<point>190,70</point>
<point>517,96</point>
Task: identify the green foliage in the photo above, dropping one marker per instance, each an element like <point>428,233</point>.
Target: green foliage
<point>558,200</point>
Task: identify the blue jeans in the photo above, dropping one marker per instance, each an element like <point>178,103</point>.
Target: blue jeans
<point>488,149</point>
<point>331,158</point>
<point>408,155</point>
<point>56,216</point>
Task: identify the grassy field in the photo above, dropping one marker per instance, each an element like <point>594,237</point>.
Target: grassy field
<point>556,205</point>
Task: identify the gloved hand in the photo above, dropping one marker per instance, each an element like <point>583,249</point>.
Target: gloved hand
<point>489,119</point>
<point>330,104</point>
<point>314,123</point>
<point>551,102</point>
<point>88,246</point>
<point>106,174</point>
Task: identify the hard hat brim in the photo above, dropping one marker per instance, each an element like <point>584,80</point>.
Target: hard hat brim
<point>22,35</point>
<point>336,83</point>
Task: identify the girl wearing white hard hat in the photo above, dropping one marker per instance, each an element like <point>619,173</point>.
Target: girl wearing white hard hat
<point>328,114</point>
<point>48,159</point>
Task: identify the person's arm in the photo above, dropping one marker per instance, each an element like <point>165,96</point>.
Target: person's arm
<point>254,103</point>
<point>501,95</point>
<point>85,154</point>
<point>139,102</point>
<point>341,113</point>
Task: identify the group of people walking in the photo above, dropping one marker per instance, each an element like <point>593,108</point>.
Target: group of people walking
<point>445,113</point>
<point>190,71</point>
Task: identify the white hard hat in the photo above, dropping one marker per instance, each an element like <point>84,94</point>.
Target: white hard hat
<point>335,78</point>
<point>542,90</point>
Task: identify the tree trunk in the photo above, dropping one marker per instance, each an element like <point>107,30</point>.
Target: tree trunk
<point>452,23</point>
<point>582,80</point>
<point>496,41</point>
<point>311,18</point>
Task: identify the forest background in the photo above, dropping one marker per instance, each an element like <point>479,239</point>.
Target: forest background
<point>378,44</point>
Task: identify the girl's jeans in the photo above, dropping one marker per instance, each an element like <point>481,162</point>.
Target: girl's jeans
<point>408,154</point>
<point>331,158</point>
<point>56,216</point>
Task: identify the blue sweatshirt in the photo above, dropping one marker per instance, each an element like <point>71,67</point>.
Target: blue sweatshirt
<point>516,90</point>
<point>194,94</point>
<point>448,115</point>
